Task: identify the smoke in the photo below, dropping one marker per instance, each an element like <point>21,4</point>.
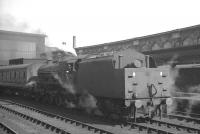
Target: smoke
<point>186,97</point>
<point>69,87</point>
<point>194,99</point>
<point>173,75</point>
<point>69,104</point>
<point>87,101</point>
<point>173,60</point>
<point>31,84</point>
<point>10,23</point>
<point>195,90</point>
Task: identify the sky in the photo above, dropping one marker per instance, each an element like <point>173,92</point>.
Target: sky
<point>96,21</point>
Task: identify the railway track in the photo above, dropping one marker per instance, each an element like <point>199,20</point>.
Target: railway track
<point>182,126</point>
<point>51,122</point>
<point>5,129</point>
<point>105,124</point>
<point>184,117</point>
<point>171,124</point>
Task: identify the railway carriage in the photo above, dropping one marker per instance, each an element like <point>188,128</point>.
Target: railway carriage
<point>14,79</point>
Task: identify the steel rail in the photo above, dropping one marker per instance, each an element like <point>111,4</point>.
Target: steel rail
<point>65,119</point>
<point>176,125</point>
<point>149,128</point>
<point>187,118</point>
<point>7,129</point>
<point>36,121</point>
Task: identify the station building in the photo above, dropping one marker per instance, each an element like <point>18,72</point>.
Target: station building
<point>179,45</point>
<point>15,45</point>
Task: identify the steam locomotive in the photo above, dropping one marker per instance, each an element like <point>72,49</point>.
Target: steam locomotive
<point>113,84</point>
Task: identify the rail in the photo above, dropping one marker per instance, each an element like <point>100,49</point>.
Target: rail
<point>49,126</point>
<point>5,128</point>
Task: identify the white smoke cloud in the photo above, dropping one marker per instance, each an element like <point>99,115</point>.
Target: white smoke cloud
<point>195,89</point>
<point>10,23</point>
<point>69,104</point>
<point>86,100</point>
<point>190,95</point>
<point>173,74</point>
<point>69,87</point>
<point>31,84</point>
<point>194,99</point>
<point>173,59</point>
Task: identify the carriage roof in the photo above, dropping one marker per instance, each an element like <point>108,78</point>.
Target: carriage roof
<point>15,66</point>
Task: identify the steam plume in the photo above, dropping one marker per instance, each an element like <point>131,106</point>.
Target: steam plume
<point>66,85</point>
<point>31,84</point>
<point>10,23</point>
<point>173,74</point>
<point>85,101</point>
<point>185,98</point>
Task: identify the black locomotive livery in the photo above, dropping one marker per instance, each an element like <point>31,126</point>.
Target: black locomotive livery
<point>114,84</point>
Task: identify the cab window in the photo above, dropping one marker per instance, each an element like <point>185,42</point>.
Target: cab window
<point>152,63</point>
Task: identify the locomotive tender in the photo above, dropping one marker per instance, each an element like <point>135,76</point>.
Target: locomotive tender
<point>117,84</point>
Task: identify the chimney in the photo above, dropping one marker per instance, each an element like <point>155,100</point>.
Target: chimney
<point>74,41</point>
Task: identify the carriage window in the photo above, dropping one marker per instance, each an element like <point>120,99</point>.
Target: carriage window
<point>10,75</point>
<point>24,75</point>
<point>15,75</point>
<point>6,76</point>
<point>19,75</point>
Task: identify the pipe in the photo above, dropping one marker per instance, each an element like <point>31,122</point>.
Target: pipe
<point>74,41</point>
